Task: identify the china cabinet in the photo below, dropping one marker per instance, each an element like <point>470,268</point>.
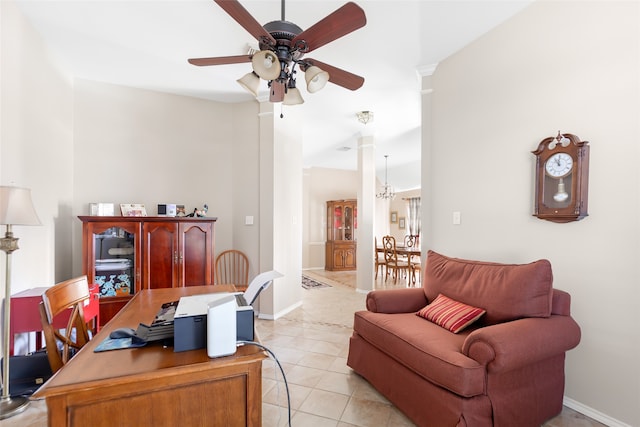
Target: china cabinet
<point>340,248</point>
<point>126,254</point>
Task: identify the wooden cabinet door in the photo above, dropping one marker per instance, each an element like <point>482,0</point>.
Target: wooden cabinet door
<point>160,255</point>
<point>338,259</point>
<point>196,254</point>
<point>349,258</point>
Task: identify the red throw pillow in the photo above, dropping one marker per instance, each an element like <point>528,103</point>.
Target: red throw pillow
<point>450,314</point>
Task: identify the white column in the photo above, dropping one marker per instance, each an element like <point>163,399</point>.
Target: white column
<point>280,208</point>
<point>366,213</point>
<point>425,196</point>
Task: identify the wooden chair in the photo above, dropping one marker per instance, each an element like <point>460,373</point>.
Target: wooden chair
<point>415,264</point>
<point>378,257</point>
<point>73,293</point>
<point>232,268</point>
<point>392,263</point>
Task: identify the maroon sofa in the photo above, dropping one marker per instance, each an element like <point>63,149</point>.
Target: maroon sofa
<point>504,370</point>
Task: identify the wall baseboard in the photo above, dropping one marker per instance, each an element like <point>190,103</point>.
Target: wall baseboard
<point>592,413</point>
<point>280,313</point>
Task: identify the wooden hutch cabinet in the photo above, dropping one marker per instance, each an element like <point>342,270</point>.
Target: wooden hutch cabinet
<point>124,255</point>
<point>342,224</point>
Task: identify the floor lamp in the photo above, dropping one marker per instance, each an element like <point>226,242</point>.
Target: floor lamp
<point>16,208</point>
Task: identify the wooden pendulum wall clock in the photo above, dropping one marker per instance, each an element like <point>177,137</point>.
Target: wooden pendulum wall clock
<point>562,178</point>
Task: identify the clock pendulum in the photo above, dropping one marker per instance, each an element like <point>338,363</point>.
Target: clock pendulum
<point>561,195</point>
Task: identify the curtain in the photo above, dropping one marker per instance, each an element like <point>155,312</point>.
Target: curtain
<point>413,213</point>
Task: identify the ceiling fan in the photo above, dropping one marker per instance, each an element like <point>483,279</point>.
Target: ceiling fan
<point>282,46</point>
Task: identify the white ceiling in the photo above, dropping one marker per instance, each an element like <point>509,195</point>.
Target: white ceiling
<point>146,44</point>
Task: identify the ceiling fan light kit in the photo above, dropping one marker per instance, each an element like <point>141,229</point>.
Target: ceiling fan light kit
<point>282,45</point>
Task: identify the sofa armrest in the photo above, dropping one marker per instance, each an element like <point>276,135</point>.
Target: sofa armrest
<point>405,300</point>
<point>514,344</point>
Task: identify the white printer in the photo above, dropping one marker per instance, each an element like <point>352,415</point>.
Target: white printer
<point>190,319</point>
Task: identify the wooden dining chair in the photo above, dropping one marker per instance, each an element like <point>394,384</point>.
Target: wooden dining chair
<point>232,268</point>
<point>415,264</point>
<point>378,257</point>
<point>393,264</point>
<point>71,294</point>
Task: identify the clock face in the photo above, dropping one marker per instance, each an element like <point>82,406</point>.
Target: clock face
<point>559,165</point>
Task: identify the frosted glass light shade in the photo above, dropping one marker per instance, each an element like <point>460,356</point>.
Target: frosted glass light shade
<point>292,97</point>
<point>266,65</point>
<point>251,82</point>
<point>316,78</point>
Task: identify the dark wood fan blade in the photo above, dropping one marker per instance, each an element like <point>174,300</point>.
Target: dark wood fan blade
<point>344,20</point>
<point>248,22</point>
<point>336,75</point>
<point>276,92</point>
<point>220,60</point>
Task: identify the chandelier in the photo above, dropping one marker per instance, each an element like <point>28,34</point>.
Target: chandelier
<point>387,192</point>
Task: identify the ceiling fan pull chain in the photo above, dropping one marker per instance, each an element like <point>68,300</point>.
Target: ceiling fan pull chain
<point>281,115</point>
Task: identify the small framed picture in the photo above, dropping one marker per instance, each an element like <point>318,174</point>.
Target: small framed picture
<point>393,218</point>
<point>133,209</point>
<point>401,223</point>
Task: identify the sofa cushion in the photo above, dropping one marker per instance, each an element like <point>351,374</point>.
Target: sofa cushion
<point>430,351</point>
<point>506,291</point>
<point>450,314</point>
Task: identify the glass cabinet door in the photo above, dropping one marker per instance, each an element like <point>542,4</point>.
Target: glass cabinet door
<point>114,261</point>
<point>334,231</point>
<point>348,223</point>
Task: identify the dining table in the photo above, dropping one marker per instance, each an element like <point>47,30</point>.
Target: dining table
<point>413,254</point>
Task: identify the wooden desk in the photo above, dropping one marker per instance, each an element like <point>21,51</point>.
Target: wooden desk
<point>153,385</point>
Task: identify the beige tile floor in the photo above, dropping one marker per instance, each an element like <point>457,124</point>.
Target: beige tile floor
<point>311,344</point>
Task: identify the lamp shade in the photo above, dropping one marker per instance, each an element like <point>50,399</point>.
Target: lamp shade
<point>16,207</point>
<point>316,78</point>
<point>266,65</point>
<point>292,97</point>
<point>251,82</point>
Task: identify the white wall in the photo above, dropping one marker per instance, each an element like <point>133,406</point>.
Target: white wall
<point>139,146</point>
<point>245,175</point>
<point>35,150</point>
<point>573,66</point>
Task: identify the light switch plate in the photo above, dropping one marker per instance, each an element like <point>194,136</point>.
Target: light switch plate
<point>456,218</point>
